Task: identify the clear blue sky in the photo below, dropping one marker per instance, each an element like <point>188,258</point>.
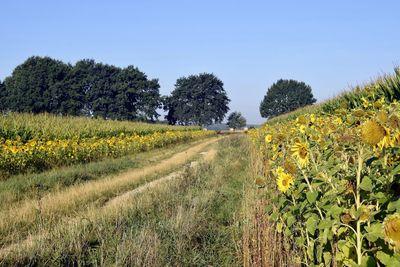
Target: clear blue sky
<point>247,44</point>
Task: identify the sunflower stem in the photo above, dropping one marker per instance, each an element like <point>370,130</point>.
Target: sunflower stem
<point>358,206</point>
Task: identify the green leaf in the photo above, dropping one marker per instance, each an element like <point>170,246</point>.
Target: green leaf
<point>336,211</point>
<point>311,224</point>
<point>327,258</point>
<point>312,197</point>
<point>394,205</point>
<point>366,184</point>
<point>396,170</point>
<point>387,260</point>
<point>290,220</point>
<point>374,231</point>
<point>368,261</point>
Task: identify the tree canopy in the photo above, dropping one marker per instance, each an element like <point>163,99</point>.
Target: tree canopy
<point>42,84</point>
<point>285,96</point>
<point>236,120</point>
<point>197,99</point>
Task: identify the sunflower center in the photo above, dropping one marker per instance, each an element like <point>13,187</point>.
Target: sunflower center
<point>303,152</point>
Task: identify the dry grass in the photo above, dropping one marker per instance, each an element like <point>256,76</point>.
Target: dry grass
<point>30,215</point>
<point>262,245</point>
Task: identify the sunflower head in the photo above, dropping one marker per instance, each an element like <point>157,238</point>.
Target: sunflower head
<point>301,120</point>
<point>358,113</point>
<point>289,166</point>
<point>372,132</point>
<point>391,227</point>
<point>268,138</point>
<point>382,116</point>
<point>394,122</point>
<point>284,181</point>
<point>300,151</point>
<point>260,182</point>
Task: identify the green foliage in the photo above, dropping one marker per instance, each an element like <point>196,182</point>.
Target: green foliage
<point>285,96</point>
<point>32,86</point>
<point>236,120</point>
<point>197,99</point>
<point>42,84</point>
<point>3,97</point>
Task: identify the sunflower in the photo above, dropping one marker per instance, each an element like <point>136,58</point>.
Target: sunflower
<point>268,138</point>
<point>300,151</point>
<point>382,116</point>
<point>391,226</point>
<point>260,182</point>
<point>284,181</point>
<point>372,132</point>
<point>394,122</point>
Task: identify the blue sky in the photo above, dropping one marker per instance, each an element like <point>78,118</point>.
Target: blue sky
<point>330,45</point>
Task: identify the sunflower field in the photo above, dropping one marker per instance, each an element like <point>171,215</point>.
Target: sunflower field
<point>30,143</point>
<point>333,174</point>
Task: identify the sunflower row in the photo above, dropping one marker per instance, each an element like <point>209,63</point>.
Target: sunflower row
<point>25,126</point>
<point>17,156</point>
<point>335,182</point>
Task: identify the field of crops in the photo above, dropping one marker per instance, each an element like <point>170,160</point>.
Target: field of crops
<point>333,174</point>
<point>39,142</point>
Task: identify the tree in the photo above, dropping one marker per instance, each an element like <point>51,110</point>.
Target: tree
<point>3,96</point>
<point>31,87</point>
<point>285,96</point>
<point>236,120</point>
<point>197,100</point>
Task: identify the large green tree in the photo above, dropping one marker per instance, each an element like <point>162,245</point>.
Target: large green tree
<point>32,85</point>
<point>197,100</point>
<point>285,96</point>
<point>236,120</point>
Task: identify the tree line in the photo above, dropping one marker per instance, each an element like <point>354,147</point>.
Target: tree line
<point>89,88</point>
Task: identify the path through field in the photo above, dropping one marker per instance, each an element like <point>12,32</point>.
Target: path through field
<point>69,206</point>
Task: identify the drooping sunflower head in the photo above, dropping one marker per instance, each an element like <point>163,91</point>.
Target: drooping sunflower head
<point>301,152</point>
<point>260,182</point>
<point>382,116</point>
<point>394,122</point>
<point>289,166</point>
<point>284,181</point>
<point>372,132</point>
<point>391,227</point>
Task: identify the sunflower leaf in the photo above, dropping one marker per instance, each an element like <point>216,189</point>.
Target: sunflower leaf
<point>312,197</point>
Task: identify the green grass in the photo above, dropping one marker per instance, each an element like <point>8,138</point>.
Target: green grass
<point>190,221</point>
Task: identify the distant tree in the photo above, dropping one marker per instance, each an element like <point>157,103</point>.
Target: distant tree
<point>285,96</point>
<point>236,120</point>
<point>197,99</point>
<point>32,85</point>
<point>3,96</point>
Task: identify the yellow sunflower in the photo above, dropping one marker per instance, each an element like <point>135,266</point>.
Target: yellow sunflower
<point>284,181</point>
<point>301,152</point>
<point>268,138</point>
<point>391,226</point>
<point>372,132</point>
